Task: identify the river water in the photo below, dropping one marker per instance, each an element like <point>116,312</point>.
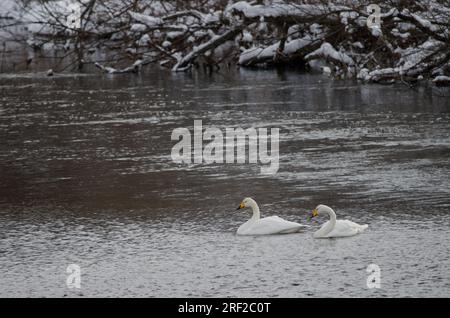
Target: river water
<point>86,178</point>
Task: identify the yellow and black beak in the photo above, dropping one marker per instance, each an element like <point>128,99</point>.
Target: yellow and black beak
<point>313,214</point>
<point>241,206</point>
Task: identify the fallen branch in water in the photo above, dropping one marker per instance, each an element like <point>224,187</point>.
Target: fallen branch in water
<point>134,68</point>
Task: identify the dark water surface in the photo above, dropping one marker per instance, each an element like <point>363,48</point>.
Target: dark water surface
<point>86,177</point>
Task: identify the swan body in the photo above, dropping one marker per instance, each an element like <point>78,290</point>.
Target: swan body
<point>336,228</point>
<point>265,226</point>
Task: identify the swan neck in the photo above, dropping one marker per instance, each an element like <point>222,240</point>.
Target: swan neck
<point>332,215</point>
<point>330,226</point>
<point>255,208</point>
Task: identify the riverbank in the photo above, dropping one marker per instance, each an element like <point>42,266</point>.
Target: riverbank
<point>371,42</point>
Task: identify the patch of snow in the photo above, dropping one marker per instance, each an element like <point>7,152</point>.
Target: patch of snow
<point>414,55</point>
<point>326,70</point>
<point>363,74</point>
<point>146,19</point>
<point>425,23</point>
<point>326,50</point>
<point>262,27</point>
<point>441,79</point>
<point>395,32</point>
<point>376,31</point>
<point>138,27</point>
<point>358,45</point>
<point>211,18</point>
<point>144,40</point>
<point>348,15</point>
<point>282,9</point>
<point>174,34</point>
<point>158,8</point>
<point>270,51</point>
<point>247,37</point>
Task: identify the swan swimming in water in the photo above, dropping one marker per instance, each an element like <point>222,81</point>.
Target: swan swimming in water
<point>333,227</point>
<point>269,225</point>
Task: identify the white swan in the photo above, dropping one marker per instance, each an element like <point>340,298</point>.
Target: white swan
<point>333,227</point>
<point>269,225</point>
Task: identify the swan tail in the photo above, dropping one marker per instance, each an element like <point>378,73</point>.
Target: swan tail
<point>363,227</point>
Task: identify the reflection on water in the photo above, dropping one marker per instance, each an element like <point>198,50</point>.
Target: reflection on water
<point>86,178</point>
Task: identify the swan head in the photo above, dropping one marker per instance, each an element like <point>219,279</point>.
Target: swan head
<point>247,202</point>
<point>320,209</point>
